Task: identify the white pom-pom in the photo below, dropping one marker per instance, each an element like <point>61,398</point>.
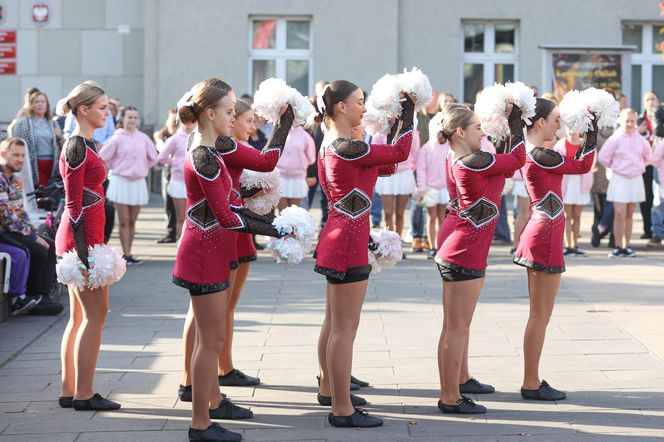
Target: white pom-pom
<point>574,112</point>
<point>375,122</point>
<point>388,250</point>
<point>491,108</point>
<point>384,96</point>
<point>603,105</point>
<point>274,93</point>
<point>68,270</point>
<point>418,84</point>
<point>297,221</point>
<point>106,267</point>
<point>524,97</point>
<point>268,181</point>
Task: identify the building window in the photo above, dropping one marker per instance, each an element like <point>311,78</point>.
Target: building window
<point>489,55</point>
<point>647,62</point>
<point>280,47</point>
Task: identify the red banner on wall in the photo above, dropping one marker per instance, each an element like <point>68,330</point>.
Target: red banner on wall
<point>7,36</point>
<point>7,51</point>
<point>7,67</point>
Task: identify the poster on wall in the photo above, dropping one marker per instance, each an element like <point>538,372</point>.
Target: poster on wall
<point>580,71</point>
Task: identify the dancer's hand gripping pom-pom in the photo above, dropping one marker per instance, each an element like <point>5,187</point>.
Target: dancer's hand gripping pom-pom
<point>263,202</point>
<point>106,267</point>
<point>384,250</point>
<point>577,109</point>
<point>493,106</point>
<point>298,226</point>
<point>274,94</point>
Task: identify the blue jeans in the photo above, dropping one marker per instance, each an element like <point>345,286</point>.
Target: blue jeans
<point>502,227</point>
<point>376,209</point>
<point>658,219</point>
<point>418,219</point>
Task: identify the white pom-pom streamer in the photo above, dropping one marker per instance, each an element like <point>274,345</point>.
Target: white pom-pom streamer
<point>106,267</point>
<point>375,122</point>
<point>603,105</point>
<point>524,97</point>
<point>418,84</point>
<point>491,108</point>
<point>274,93</point>
<point>388,251</point>
<point>268,181</point>
<point>297,221</point>
<point>574,112</point>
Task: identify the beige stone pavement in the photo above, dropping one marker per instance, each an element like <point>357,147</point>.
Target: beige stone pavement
<point>605,347</point>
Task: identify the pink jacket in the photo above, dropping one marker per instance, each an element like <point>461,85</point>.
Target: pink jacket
<point>299,152</point>
<point>129,155</point>
<point>586,178</point>
<point>173,153</point>
<point>658,162</point>
<point>431,166</point>
<point>626,155</point>
<point>410,163</point>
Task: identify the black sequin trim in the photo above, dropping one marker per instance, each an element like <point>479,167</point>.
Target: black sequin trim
<point>359,270</point>
<point>536,266</point>
<point>546,158</point>
<point>225,145</point>
<point>246,259</point>
<point>459,269</point>
<point>201,289</point>
<point>348,149</point>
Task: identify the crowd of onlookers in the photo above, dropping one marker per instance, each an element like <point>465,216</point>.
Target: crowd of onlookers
<point>29,160</point>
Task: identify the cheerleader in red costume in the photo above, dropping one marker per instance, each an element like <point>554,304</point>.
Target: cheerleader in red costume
<point>348,170</point>
<point>479,178</point>
<point>540,247</point>
<point>207,251</point>
<point>236,157</point>
<point>79,239</point>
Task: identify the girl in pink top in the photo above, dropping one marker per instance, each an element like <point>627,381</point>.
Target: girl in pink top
<point>129,155</point>
<point>432,180</point>
<point>299,153</point>
<point>172,154</point>
<point>576,193</point>
<point>627,154</point>
<point>395,190</point>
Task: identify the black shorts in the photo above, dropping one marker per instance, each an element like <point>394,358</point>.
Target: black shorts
<point>455,275</point>
<point>357,277</point>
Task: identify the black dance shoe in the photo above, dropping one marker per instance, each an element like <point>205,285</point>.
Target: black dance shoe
<point>213,433</point>
<point>353,385</point>
<point>473,386</point>
<point>545,392</point>
<point>359,419</point>
<point>235,378</point>
<point>65,401</point>
<point>228,410</point>
<point>326,401</point>
<point>354,380</point>
<point>464,405</point>
<point>96,402</point>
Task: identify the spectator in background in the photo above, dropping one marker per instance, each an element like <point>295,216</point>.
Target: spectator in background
<point>26,105</point>
<point>602,209</point>
<point>42,136</point>
<point>299,152</point>
<point>18,278</point>
<point>658,211</point>
<point>160,136</point>
<point>129,155</point>
<point>649,122</point>
<point>626,153</point>
<point>247,99</point>
<point>114,107</point>
<point>15,225</point>
<point>172,155</point>
<point>576,193</point>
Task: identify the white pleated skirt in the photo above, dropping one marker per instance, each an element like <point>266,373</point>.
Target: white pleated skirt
<point>434,197</point>
<point>176,189</point>
<point>402,183</point>
<point>626,190</point>
<point>129,192</point>
<point>293,187</point>
<point>573,194</point>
